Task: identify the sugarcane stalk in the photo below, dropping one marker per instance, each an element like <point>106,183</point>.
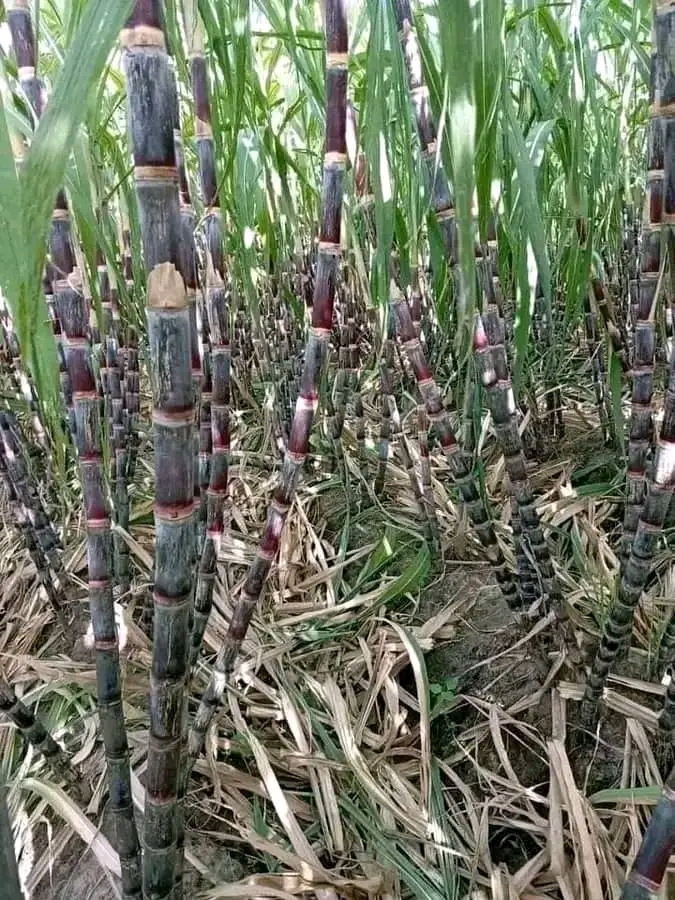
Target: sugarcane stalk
<point>131,402</point>
<point>616,337</point>
<point>73,314</point>
<point>598,368</point>
<point>152,115</point>
<point>114,377</point>
<point>644,311</point>
<point>459,462</point>
<point>71,311</point>
<point>34,732</point>
<point>215,451</point>
<point>187,266</point>
<point>321,326</point>
<point>649,533</point>
<point>441,197</point>
<point>41,538</point>
<point>657,846</point>
<point>490,355</point>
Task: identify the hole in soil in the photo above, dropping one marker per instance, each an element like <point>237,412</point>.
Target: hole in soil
<point>512,847</point>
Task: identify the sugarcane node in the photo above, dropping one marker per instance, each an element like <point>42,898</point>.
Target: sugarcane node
<point>99,525</point>
<point>174,515</point>
<point>203,129</point>
<point>140,36</point>
<point>166,288</point>
<point>168,174</point>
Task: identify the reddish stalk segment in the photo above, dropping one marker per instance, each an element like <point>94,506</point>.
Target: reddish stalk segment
<point>321,325</point>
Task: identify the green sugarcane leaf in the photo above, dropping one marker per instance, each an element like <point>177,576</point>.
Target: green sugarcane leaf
<point>411,579</point>
<point>444,849</point>
<point>489,71</point>
<point>615,385</point>
<point>457,45</point>
<point>11,220</point>
<point>528,197</point>
<point>376,142</point>
<point>645,796</point>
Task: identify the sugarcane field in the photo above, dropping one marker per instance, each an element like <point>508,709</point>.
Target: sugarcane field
<point>337,449</point>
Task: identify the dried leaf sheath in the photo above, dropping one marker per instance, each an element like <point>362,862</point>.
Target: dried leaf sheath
<point>152,106</point>
<point>321,326</point>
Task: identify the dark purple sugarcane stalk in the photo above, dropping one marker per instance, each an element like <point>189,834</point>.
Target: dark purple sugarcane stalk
<point>598,368</point>
<point>441,197</point>
<point>132,405</point>
<point>641,428</point>
<point>72,311</point>
<point>644,310</point>
<point>459,462</point>
<point>490,355</point>
<point>32,730</point>
<point>188,268</point>
<point>321,326</point>
<point>214,451</point>
<point>658,844</point>
<point>73,314</point>
<point>398,435</point>
<point>152,114</point>
<point>20,24</point>
<point>525,526</point>
<point>39,534</point>
<point>114,379</point>
<point>648,535</point>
